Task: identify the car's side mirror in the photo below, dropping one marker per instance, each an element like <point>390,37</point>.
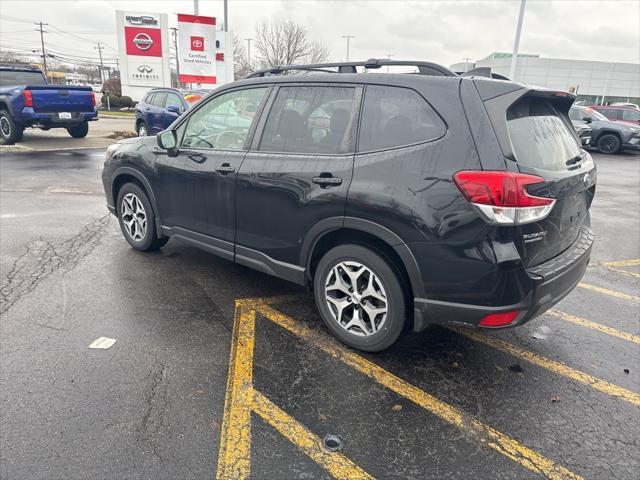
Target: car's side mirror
<point>173,109</point>
<point>587,119</point>
<point>167,140</point>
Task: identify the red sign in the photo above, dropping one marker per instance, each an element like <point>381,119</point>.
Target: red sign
<point>145,42</point>
<point>197,44</point>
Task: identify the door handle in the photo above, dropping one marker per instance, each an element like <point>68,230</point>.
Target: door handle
<point>225,168</point>
<point>326,180</point>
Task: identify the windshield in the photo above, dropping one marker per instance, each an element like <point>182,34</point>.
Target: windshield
<point>539,136</point>
<point>595,114</point>
<point>9,78</point>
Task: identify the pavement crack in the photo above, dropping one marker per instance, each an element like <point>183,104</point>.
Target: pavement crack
<point>41,258</point>
<point>155,408</point>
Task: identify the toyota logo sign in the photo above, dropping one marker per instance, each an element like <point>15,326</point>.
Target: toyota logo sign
<point>143,41</point>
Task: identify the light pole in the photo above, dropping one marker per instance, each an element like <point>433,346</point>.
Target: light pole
<point>516,43</point>
<point>389,55</point>
<point>348,37</point>
<point>249,51</point>
<point>175,46</point>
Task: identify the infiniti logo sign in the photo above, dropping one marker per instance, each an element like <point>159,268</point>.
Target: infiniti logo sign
<point>143,41</point>
<point>145,69</point>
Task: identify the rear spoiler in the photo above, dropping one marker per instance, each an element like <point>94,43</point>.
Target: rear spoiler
<point>483,72</point>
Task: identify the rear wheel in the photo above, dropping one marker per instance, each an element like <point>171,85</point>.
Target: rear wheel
<point>10,132</point>
<point>79,131</point>
<point>142,129</point>
<point>608,143</point>
<point>360,297</point>
<point>137,220</point>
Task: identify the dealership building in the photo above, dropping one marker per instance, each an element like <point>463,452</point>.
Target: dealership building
<point>593,82</point>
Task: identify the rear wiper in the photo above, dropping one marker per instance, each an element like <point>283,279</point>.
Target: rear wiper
<point>574,160</point>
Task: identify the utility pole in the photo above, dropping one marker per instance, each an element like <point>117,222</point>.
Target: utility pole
<point>516,43</point>
<point>99,48</point>
<point>175,45</point>
<point>226,18</point>
<point>348,37</point>
<point>249,51</point>
<point>389,55</point>
<point>44,55</point>
<point>196,10</point>
<point>466,64</point>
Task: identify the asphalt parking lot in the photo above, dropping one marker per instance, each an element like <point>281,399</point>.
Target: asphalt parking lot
<point>222,372</point>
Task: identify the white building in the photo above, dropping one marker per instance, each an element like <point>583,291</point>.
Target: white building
<point>593,82</point>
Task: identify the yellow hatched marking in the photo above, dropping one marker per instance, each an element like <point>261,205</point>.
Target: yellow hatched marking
<point>606,291</point>
<point>556,367</point>
<point>623,263</point>
<point>596,326</point>
<point>335,463</point>
<point>479,431</point>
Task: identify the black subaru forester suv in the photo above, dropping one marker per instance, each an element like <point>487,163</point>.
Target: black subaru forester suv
<point>401,199</point>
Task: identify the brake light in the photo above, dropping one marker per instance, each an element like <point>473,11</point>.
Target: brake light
<point>502,197</point>
<point>28,98</point>
<point>93,99</point>
<point>499,319</point>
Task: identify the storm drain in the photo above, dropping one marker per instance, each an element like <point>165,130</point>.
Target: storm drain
<point>332,443</point>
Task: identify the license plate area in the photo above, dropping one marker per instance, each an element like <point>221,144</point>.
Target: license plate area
<point>65,116</point>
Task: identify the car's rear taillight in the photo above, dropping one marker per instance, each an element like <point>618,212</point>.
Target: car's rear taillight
<point>501,319</point>
<point>93,99</point>
<point>502,197</point>
<point>28,98</point>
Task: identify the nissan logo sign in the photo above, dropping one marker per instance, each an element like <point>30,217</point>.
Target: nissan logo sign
<point>143,41</point>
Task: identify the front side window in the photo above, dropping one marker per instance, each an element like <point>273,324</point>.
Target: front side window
<point>395,117</point>
<point>173,100</point>
<point>539,136</point>
<point>578,115</point>
<point>223,123</point>
<point>310,120</point>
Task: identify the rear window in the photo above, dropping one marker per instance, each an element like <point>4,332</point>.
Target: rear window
<point>9,78</point>
<point>540,138</point>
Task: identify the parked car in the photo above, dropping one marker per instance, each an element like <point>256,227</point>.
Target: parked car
<point>27,101</point>
<point>607,136</point>
<point>158,109</point>
<point>194,96</point>
<point>583,131</point>
<point>626,104</point>
<point>619,113</point>
<point>425,198</point>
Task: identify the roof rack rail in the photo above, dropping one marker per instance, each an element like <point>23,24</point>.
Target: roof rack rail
<point>22,66</point>
<point>424,68</point>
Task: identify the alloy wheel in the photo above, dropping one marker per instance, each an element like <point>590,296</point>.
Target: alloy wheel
<point>134,217</point>
<point>142,131</point>
<point>5,126</point>
<point>356,298</point>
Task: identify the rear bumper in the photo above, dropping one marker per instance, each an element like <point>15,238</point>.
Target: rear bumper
<point>548,283</point>
<point>29,118</point>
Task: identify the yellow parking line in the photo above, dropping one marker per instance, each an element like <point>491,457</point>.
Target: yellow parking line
<point>606,291</point>
<point>234,458</point>
<point>556,367</point>
<point>623,263</point>
<point>624,272</point>
<point>595,326</point>
<point>476,429</point>
<point>335,463</point>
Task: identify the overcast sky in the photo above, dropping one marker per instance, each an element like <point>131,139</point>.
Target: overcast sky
<point>440,31</point>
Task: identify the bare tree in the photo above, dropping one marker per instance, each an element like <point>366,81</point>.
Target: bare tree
<point>284,42</point>
<point>241,66</point>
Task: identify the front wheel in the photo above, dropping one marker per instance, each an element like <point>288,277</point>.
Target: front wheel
<point>79,131</point>
<point>10,132</point>
<point>608,143</point>
<point>360,296</point>
<point>137,220</point>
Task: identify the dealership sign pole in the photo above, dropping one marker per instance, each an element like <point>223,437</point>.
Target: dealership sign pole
<point>197,49</point>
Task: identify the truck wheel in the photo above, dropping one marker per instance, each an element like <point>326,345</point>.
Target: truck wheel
<point>10,133</point>
<point>608,143</point>
<point>79,131</point>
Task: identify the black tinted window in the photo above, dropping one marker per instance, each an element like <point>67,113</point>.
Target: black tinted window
<point>540,138</point>
<point>9,78</point>
<point>394,116</point>
<point>310,120</point>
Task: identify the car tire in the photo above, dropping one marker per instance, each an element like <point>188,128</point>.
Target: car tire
<point>608,143</point>
<point>142,130</point>
<point>137,219</point>
<point>79,131</point>
<point>381,298</point>
<point>10,132</point>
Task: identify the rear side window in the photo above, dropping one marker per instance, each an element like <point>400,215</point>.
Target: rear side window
<point>631,116</point>
<point>149,98</point>
<point>310,120</point>
<point>539,136</point>
<point>10,78</point>
<point>394,117</point>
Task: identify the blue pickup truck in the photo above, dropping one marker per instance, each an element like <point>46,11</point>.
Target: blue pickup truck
<point>27,101</point>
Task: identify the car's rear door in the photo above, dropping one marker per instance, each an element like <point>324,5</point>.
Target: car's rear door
<point>544,145</point>
<point>296,174</point>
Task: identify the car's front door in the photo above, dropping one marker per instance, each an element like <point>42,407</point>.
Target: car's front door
<point>173,108</point>
<point>155,116</point>
<point>197,188</point>
<point>296,174</point>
